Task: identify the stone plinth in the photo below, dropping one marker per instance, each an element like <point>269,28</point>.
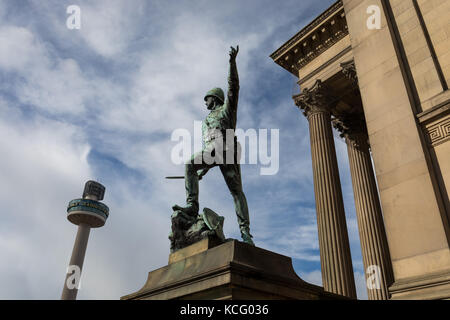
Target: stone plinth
<point>194,249</point>
<point>231,271</point>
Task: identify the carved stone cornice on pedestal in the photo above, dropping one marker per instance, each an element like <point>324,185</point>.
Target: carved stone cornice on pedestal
<point>318,98</point>
<point>349,70</point>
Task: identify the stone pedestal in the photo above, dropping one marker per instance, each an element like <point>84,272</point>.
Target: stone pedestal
<point>231,271</point>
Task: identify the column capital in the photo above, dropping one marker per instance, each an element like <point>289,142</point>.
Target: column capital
<point>316,99</point>
<point>352,127</point>
<point>349,70</point>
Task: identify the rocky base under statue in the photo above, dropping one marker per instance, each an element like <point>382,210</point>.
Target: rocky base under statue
<point>188,228</point>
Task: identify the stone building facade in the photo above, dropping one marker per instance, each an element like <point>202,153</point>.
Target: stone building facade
<point>378,72</point>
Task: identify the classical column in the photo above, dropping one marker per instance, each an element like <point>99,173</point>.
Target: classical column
<point>374,247</point>
<point>335,258</point>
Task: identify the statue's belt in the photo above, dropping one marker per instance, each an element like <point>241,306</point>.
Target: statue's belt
<point>214,135</point>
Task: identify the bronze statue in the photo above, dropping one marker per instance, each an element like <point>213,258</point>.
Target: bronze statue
<point>221,119</point>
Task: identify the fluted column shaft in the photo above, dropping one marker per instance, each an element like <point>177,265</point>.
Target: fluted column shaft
<point>374,247</point>
<point>335,257</point>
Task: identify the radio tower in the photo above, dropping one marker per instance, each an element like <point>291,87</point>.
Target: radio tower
<point>87,213</point>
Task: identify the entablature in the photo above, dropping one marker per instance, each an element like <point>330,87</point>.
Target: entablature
<point>313,40</point>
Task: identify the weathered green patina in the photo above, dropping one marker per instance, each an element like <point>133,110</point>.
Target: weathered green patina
<point>222,118</point>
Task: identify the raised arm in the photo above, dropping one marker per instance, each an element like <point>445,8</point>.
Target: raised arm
<point>233,84</point>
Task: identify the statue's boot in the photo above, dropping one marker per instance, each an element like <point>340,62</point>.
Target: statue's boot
<point>246,236</point>
<point>191,186</point>
<point>190,209</point>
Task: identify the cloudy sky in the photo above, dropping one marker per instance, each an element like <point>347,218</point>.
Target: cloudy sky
<point>102,102</point>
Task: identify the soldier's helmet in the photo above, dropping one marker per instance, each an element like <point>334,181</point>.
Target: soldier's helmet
<point>216,92</point>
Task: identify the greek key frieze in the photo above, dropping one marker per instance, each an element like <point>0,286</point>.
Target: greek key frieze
<point>439,132</point>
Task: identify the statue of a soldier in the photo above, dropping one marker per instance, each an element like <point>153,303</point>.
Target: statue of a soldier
<point>215,130</point>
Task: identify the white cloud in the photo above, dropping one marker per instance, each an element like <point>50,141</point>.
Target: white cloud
<point>167,91</point>
<point>49,169</point>
<point>299,240</point>
<point>49,83</point>
<point>109,26</point>
<point>43,168</point>
<point>18,48</point>
<point>314,277</point>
